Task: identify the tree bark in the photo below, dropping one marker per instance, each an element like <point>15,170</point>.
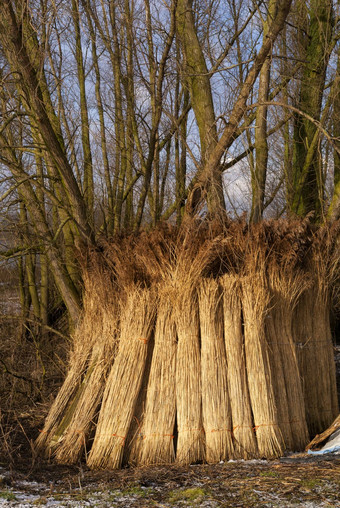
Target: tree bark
<point>261,139</point>
<point>307,183</point>
<point>198,80</point>
<point>13,43</point>
<point>212,167</point>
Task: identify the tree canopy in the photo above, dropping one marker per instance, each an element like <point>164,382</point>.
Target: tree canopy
<point>120,114</point>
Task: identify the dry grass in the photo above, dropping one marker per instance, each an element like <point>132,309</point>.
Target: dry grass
<point>216,409</point>
<point>219,373</point>
<point>124,381</point>
<point>156,445</point>
<point>255,300</point>
<point>245,444</point>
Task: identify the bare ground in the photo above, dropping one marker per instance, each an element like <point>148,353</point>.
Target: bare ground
<point>26,481</point>
<point>297,480</point>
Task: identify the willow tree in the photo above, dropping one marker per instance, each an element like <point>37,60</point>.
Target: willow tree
<point>133,111</point>
<point>212,165</point>
<point>307,185</point>
<point>197,78</point>
<point>334,209</point>
<point>23,54</point>
<point>261,135</point>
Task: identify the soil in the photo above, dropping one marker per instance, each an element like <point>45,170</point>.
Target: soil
<point>299,480</point>
<point>27,481</point>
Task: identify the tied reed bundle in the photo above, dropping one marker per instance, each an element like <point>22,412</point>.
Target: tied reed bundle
<point>56,422</point>
<point>316,360</point>
<point>190,444</point>
<point>325,266</point>
<point>84,339</point>
<point>157,432</point>
<point>286,286</point>
<point>124,381</point>
<point>215,396</point>
<point>134,437</point>
<point>279,385</point>
<point>245,444</point>
<point>255,301</point>
<point>104,351</point>
<point>308,367</point>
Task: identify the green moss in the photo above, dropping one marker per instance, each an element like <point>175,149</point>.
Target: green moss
<point>311,483</point>
<point>7,495</point>
<point>192,495</point>
<point>136,490</point>
<point>269,474</point>
<point>132,490</point>
<point>249,496</point>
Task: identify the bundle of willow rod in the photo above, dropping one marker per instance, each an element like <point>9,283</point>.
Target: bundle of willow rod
<point>85,337</point>
<point>278,378</point>
<point>125,379</point>
<point>79,430</point>
<point>255,301</point>
<point>190,443</point>
<point>216,409</point>
<point>286,286</point>
<point>157,431</point>
<point>245,444</point>
<point>316,360</point>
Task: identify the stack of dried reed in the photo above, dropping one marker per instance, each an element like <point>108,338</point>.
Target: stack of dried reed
<point>134,437</point>
<point>156,445</point>
<point>250,383</point>
<point>105,348</point>
<point>279,384</point>
<point>190,443</point>
<point>312,335</point>
<point>255,300</point>
<point>325,266</point>
<point>125,379</point>
<point>316,359</point>
<point>286,285</point>
<point>245,444</point>
<point>216,410</point>
<point>85,337</point>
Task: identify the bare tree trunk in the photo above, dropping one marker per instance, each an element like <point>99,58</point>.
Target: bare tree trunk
<point>11,36</point>
<point>213,164</point>
<point>85,127</point>
<point>198,80</point>
<point>307,165</point>
<point>100,110</point>
<point>334,209</point>
<point>261,135</point>
<point>130,94</point>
